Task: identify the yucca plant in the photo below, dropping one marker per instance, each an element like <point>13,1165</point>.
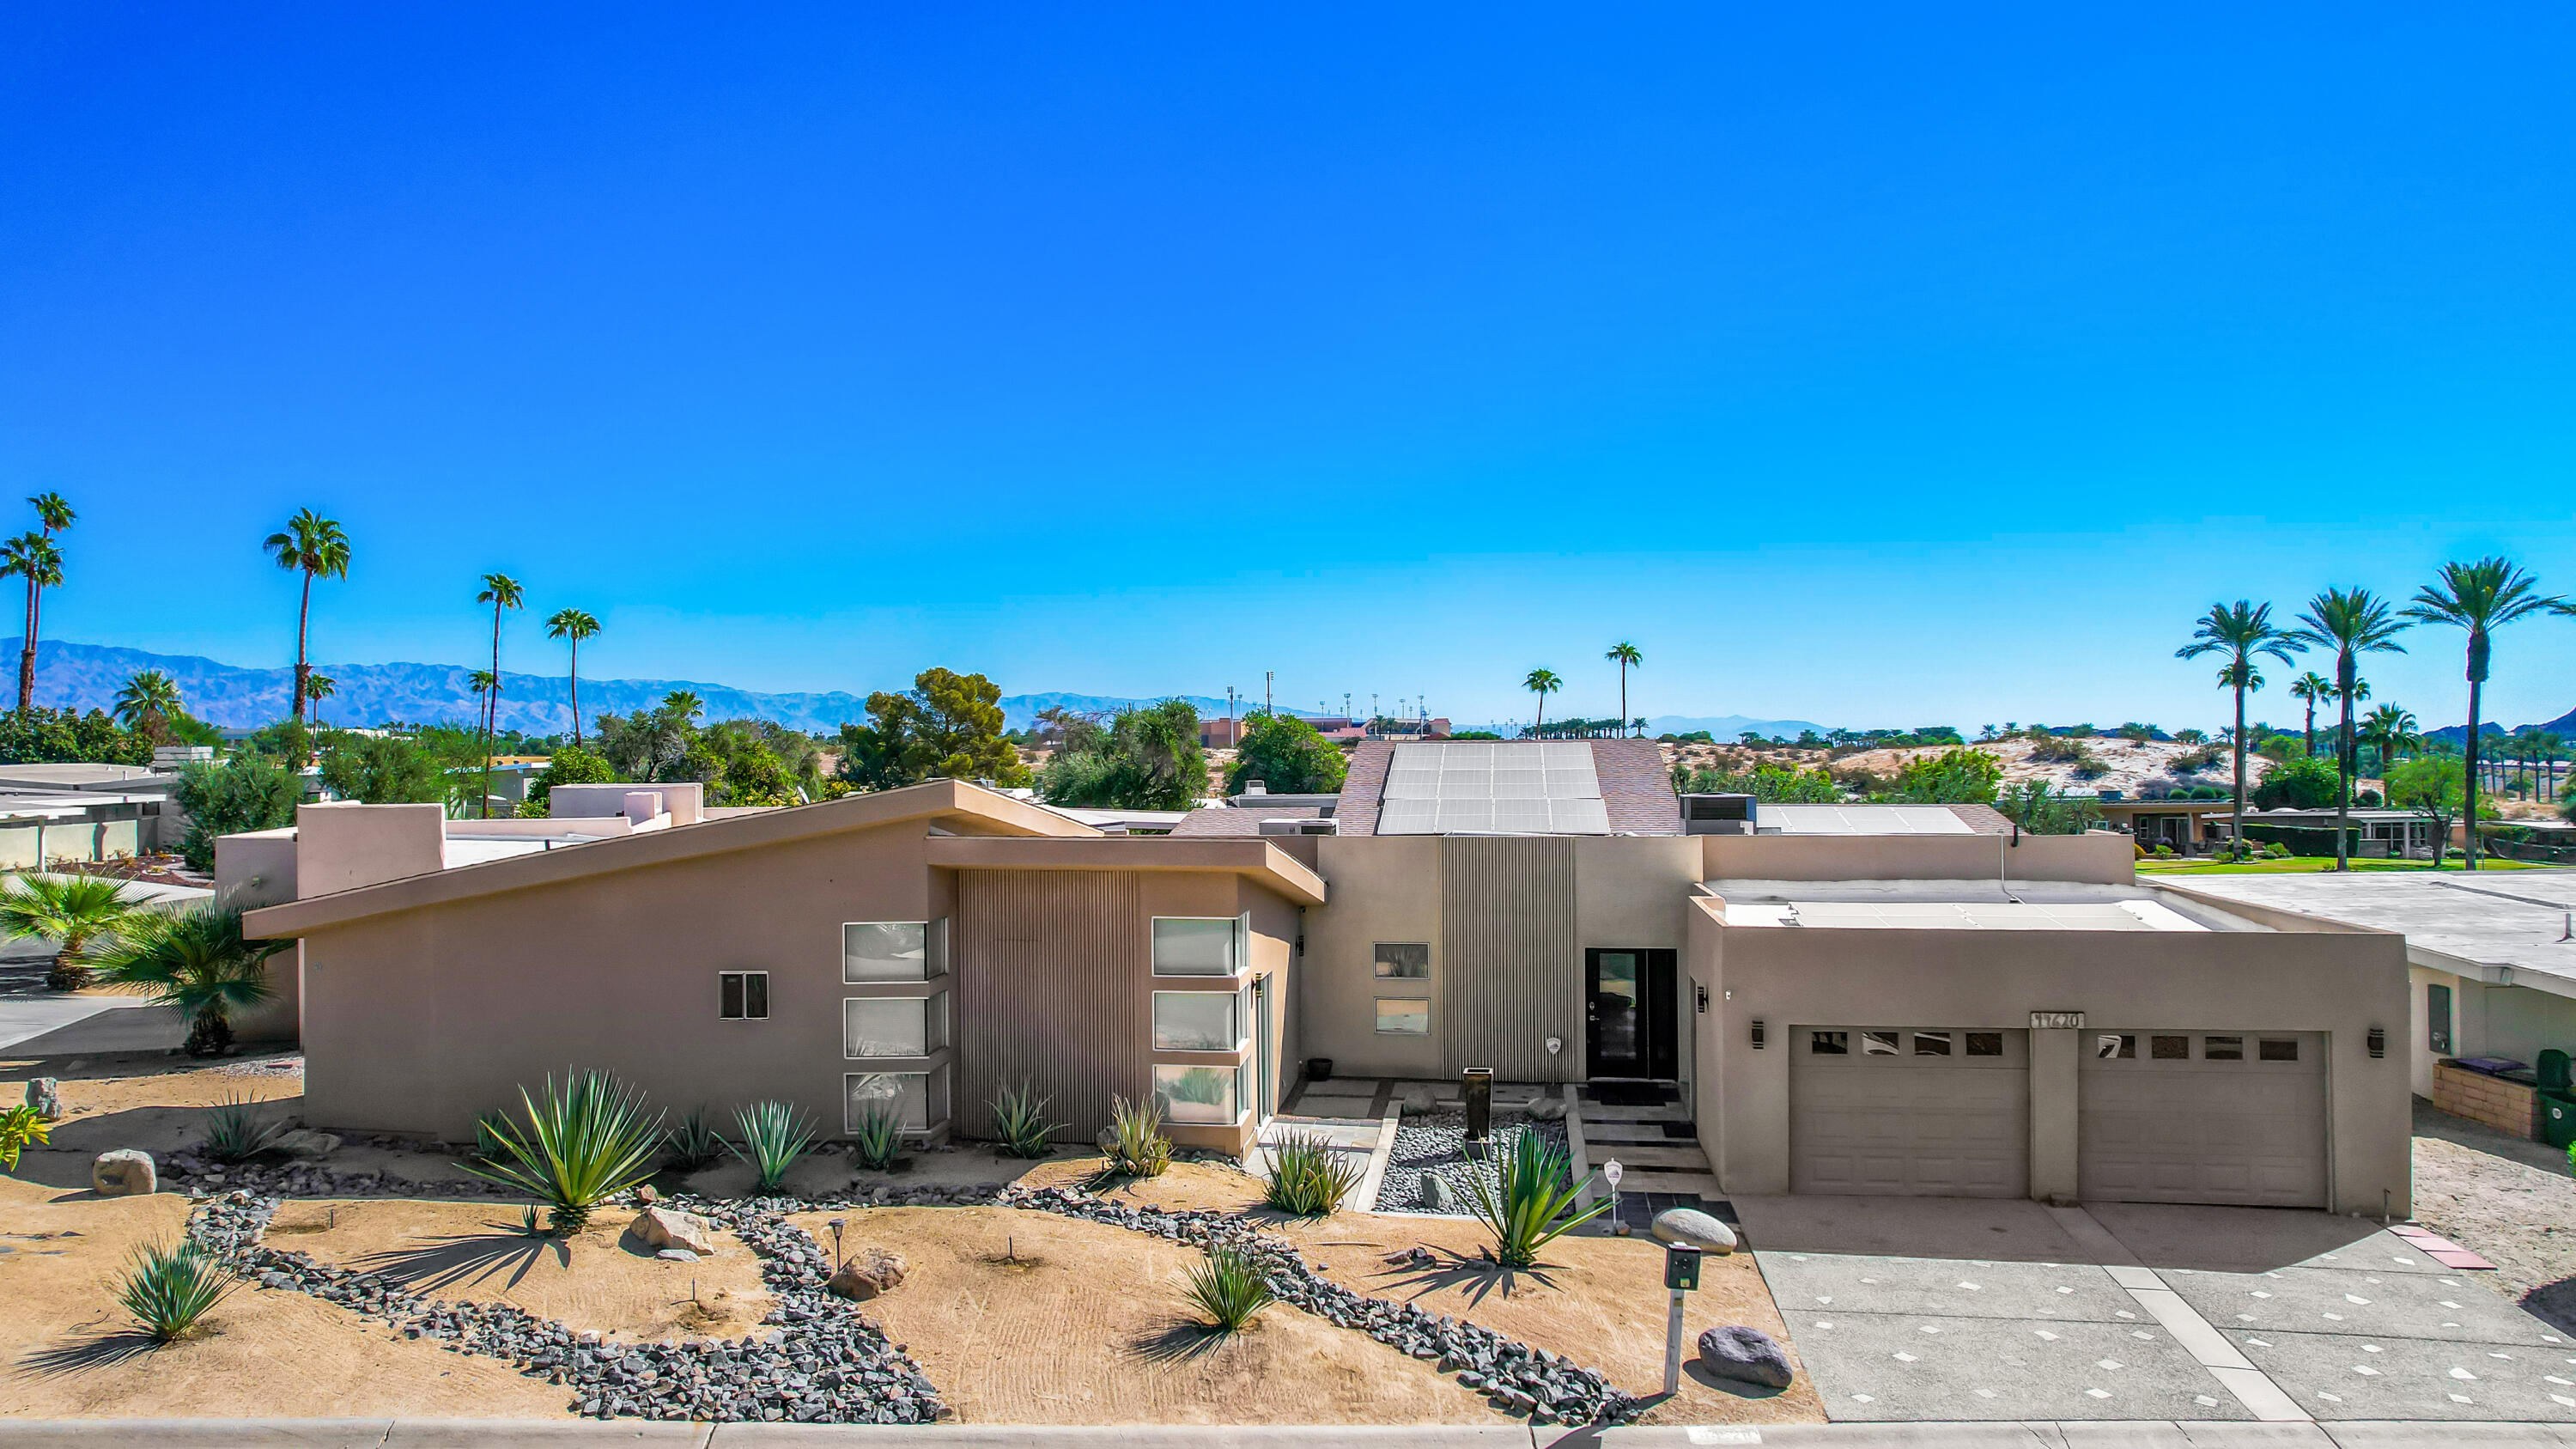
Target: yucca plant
<point>1228,1288</point>
<point>240,1129</point>
<point>1307,1177</point>
<point>170,1287</point>
<point>578,1148</point>
<point>695,1143</point>
<point>774,1135</point>
<point>1019,1119</point>
<point>1137,1145</point>
<point>1531,1202</point>
<point>877,1140</point>
<point>20,1128</point>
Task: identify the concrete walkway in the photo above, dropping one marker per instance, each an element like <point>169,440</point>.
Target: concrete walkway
<point>507,1434</point>
<point>50,1025</point>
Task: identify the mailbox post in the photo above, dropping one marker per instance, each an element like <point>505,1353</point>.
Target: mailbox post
<point>1681,1275</point>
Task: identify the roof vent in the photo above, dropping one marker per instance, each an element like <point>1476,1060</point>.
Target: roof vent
<point>1298,825</point>
<point>1256,787</point>
<point>1718,815</point>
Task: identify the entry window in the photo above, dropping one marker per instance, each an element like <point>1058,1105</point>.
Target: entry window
<point>913,1099</point>
<point>890,951</point>
<point>2437,1020</point>
<point>1196,1094</point>
<point>2169,1048</point>
<point>2115,1046</point>
<point>894,1026</point>
<point>1985,1043</point>
<point>2279,1049</point>
<point>1403,961</point>
<point>1829,1043</point>
<point>1197,1021</point>
<point>1878,1043</point>
<point>2222,1048</point>
<point>1196,946</point>
<point>1931,1043</point>
<point>1403,1017</point>
<point>742,995</point>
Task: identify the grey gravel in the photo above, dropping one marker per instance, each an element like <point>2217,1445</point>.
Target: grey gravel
<point>1437,1144</point>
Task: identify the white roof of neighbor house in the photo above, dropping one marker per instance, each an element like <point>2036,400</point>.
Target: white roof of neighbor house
<point>2484,925</point>
<point>1860,820</point>
<point>1474,787</point>
<point>1961,916</point>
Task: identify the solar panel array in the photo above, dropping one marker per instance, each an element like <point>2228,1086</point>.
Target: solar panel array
<point>1473,787</point>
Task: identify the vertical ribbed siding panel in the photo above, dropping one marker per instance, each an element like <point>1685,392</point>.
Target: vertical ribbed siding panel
<point>1512,974</point>
<point>1049,970</point>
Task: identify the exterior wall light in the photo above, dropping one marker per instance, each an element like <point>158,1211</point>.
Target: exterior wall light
<point>1757,1034</point>
<point>2379,1041</point>
<point>1703,999</point>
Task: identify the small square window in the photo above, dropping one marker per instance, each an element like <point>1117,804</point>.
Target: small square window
<point>2169,1048</point>
<point>2222,1048</point>
<point>1403,962</point>
<point>1195,946</point>
<point>1985,1043</point>
<point>1197,1021</point>
<point>893,1026</point>
<point>742,995</point>
<point>1196,1094</point>
<point>2115,1046</point>
<point>2278,1048</point>
<point>1878,1043</point>
<point>1403,1018</point>
<point>1829,1043</point>
<point>1931,1043</point>
<point>886,951</point>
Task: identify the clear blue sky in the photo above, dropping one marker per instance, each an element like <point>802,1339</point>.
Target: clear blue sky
<point>1897,365</point>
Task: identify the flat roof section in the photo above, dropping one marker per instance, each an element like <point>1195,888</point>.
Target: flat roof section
<point>2513,919</point>
<point>1860,820</point>
<point>1961,916</point>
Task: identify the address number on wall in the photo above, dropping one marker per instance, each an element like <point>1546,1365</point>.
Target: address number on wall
<point>2057,1021</point>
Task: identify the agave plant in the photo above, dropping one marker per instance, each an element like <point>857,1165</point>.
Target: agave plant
<point>877,1139</point>
<point>1228,1288</point>
<point>1307,1177</point>
<point>20,1128</point>
<point>170,1287</point>
<point>1531,1202</point>
<point>1137,1145</point>
<point>579,1147</point>
<point>241,1129</point>
<point>695,1143</point>
<point>1019,1119</point>
<point>774,1135</point>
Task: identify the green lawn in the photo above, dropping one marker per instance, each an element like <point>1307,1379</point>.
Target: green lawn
<point>2298,864</point>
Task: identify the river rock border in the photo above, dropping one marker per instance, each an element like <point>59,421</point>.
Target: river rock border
<point>822,1362</point>
<point>1549,1388</point>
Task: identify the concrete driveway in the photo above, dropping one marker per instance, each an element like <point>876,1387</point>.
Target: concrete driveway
<point>1949,1309</point>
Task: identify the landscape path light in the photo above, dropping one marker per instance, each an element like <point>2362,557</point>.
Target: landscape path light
<point>1611,1172</point>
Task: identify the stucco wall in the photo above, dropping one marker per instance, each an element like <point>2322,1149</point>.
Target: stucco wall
<point>2100,857</point>
<point>1383,888</point>
<point>2505,1021</point>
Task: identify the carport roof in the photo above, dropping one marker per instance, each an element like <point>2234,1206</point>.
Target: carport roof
<point>2480,926</point>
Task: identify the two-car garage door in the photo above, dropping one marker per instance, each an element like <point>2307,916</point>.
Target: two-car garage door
<point>1930,1113</point>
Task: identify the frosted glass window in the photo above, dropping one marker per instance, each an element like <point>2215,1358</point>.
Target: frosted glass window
<point>1194,946</point>
<point>886,951</point>
<point>1403,961</point>
<point>904,1094</point>
<point>894,1026</point>
<point>1197,1021</point>
<point>1403,1018</point>
<point>1196,1094</point>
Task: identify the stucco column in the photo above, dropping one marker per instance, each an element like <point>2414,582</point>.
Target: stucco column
<point>2052,1112</point>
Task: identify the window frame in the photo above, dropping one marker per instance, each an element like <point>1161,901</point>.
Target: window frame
<point>1378,962</point>
<point>746,1014</point>
<point>935,1026</point>
<point>1230,1074</point>
<point>1378,1018</point>
<point>1238,949</point>
<point>934,953</point>
<point>1242,1022</point>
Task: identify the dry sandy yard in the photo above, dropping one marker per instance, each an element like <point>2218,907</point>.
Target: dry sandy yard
<point>2506,1199</point>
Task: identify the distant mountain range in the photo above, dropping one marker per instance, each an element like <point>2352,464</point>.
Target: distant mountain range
<point>1725,727</point>
<point>2564,727</point>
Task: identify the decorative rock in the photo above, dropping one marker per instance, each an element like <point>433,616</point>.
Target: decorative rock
<point>1418,1101</point>
<point>305,1143</point>
<point>1746,1355</point>
<point>676,1255</point>
<point>647,1195</point>
<point>126,1172</point>
<point>1437,1195</point>
<point>1547,1109</point>
<point>45,1095</point>
<point>661,1227</point>
<point>1695,1230</point>
<point>867,1274</point>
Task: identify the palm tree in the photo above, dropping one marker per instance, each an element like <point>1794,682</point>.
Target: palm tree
<point>195,960</point>
<point>1625,655</point>
<point>148,702</point>
<point>52,512</point>
<point>2243,631</point>
<point>573,626</point>
<point>2389,729</point>
<point>1541,682</point>
<point>76,912</point>
<point>2309,689</point>
<point>2481,598</point>
<point>683,705</point>
<point>317,688</point>
<point>53,515</point>
<point>315,547</point>
<point>2352,622</point>
<point>33,557</point>
<point>502,592</point>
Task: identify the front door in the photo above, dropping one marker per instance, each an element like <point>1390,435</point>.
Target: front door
<point>1628,1013</point>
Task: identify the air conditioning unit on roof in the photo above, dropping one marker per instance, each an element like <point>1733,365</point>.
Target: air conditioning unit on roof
<point>1718,815</point>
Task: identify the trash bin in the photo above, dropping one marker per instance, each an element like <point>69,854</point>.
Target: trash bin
<point>2558,1119</point>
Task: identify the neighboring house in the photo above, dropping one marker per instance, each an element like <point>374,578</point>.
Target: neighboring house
<point>2376,833</point>
<point>1945,1011</point>
<point>2191,827</point>
<point>85,812</point>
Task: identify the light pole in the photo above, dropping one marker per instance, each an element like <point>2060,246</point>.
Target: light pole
<point>1267,676</point>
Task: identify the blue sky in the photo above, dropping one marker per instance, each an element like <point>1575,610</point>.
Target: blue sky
<point>1884,365</point>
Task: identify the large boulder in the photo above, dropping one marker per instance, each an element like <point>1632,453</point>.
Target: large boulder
<point>1547,1109</point>
<point>126,1172</point>
<point>1418,1101</point>
<point>1694,1229</point>
<point>305,1143</point>
<point>869,1272</point>
<point>46,1096</point>
<point>660,1227</point>
<point>1746,1355</point>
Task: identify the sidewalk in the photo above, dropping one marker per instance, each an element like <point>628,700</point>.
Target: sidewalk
<point>508,1434</point>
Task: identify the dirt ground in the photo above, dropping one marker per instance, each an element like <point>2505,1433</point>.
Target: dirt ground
<point>70,1352</point>
<point>1183,1185</point>
<point>468,1252</point>
<point>2506,1199</point>
<point>1030,1318</point>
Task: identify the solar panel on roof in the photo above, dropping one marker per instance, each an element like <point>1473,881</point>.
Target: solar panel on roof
<point>1519,787</point>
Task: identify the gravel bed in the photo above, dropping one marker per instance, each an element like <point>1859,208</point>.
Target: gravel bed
<point>1548,1388</point>
<point>1436,1144</point>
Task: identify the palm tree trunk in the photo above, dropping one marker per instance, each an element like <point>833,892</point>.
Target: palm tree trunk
<point>2236,846</point>
<point>2343,771</point>
<point>303,670</point>
<point>1623,701</point>
<point>2469,846</point>
<point>492,710</point>
<point>576,692</point>
<point>27,654</point>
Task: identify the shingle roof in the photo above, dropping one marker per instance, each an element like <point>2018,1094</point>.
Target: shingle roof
<point>1240,820</point>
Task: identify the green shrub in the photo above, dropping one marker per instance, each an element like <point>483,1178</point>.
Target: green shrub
<point>774,1135</point>
<point>1531,1204</point>
<point>878,1138</point>
<point>245,793</point>
<point>695,1144</point>
<point>20,1128</point>
<point>1307,1177</point>
<point>2164,852</point>
<point>1137,1145</point>
<point>579,1147</point>
<point>1019,1119</point>
<point>240,1129</point>
<point>1228,1288</point>
<point>170,1288</point>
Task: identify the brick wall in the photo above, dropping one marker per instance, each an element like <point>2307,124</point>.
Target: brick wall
<point>2505,1106</point>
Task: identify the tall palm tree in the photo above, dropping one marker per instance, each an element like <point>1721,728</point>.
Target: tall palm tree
<point>78,913</point>
<point>150,698</point>
<point>1542,682</point>
<point>194,959</point>
<point>2351,622</point>
<point>2481,598</point>
<point>33,557</point>
<point>52,512</point>
<point>2311,689</point>
<point>317,688</point>
<point>502,592</point>
<point>2243,631</point>
<point>2390,730</point>
<point>316,547</point>
<point>573,626</point>
<point>1625,655</point>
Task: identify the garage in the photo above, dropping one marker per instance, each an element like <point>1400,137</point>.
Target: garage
<point>1905,1111</point>
<point>2202,1117</point>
